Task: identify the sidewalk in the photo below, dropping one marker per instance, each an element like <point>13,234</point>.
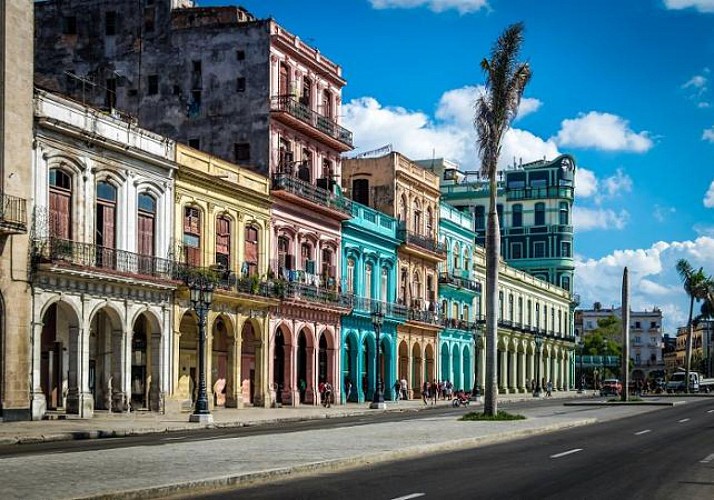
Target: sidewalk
<point>174,467</point>
<point>105,425</point>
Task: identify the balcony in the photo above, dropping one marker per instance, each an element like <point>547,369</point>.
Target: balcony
<point>532,193</point>
<point>312,123</point>
<point>422,313</point>
<point>459,324</point>
<point>290,187</point>
<point>90,257</point>
<point>389,309</point>
<point>300,285</point>
<point>459,282</point>
<point>423,242</point>
<point>13,215</point>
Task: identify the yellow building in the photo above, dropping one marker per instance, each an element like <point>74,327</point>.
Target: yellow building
<point>222,227</point>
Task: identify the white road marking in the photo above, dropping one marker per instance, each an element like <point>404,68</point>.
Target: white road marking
<point>707,459</point>
<point>569,452</point>
<point>710,411</point>
<point>409,497</point>
<point>643,432</point>
<point>684,420</point>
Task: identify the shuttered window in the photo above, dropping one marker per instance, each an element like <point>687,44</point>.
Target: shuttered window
<point>250,249</point>
<point>223,242</point>
<point>146,224</point>
<point>192,235</point>
<point>105,234</point>
<point>60,205</point>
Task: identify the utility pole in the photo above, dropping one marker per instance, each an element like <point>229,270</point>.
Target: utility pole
<point>625,361</point>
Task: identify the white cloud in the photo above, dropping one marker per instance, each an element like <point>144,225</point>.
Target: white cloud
<point>602,131</point>
<point>661,214</point>
<point>708,135</point>
<point>700,5</point>
<point>653,278</point>
<point>587,219</point>
<point>697,81</point>
<point>588,185</point>
<point>450,134</point>
<point>709,196</point>
<point>585,183</point>
<point>613,185</point>
<point>462,6</point>
<point>528,105</point>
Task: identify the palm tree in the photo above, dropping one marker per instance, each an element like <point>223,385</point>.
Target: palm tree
<point>496,107</point>
<point>698,286</point>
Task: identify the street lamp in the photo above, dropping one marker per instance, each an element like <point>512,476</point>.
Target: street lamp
<point>539,349</point>
<point>378,397</point>
<point>581,345</point>
<point>201,295</point>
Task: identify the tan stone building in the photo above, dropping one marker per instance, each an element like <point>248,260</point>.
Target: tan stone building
<point>16,44</point>
<point>397,186</point>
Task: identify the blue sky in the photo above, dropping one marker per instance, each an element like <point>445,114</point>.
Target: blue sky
<point>624,86</point>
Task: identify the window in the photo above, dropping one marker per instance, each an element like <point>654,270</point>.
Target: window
<point>564,215</point>
<point>149,19</point>
<point>430,294</point>
<point>305,167</point>
<point>250,250</point>
<point>480,217</point>
<point>192,235</point>
<point>416,291</point>
<point>539,214</point>
<point>565,249</point>
<point>110,23</point>
<point>196,66</point>
<point>152,84</point>
<point>417,218</point>
<point>457,254</point>
<point>241,151</point>
<point>327,104</point>
<point>350,276</point>
<point>308,264</point>
<point>520,310</point>
<point>638,339</point>
<point>510,307</point>
<point>368,281</point>
<point>499,211</point>
<point>653,324</point>
<point>240,55</point>
<point>285,257</point>
<point>223,241</point>
<point>403,279</point>
<point>529,311</point>
<point>465,314</point>
<point>110,93</point>
<point>240,84</point>
<point>500,306</point>
<point>384,285</point>
<point>538,249</point>
<point>194,143</point>
<point>516,250</point>
<point>60,204</point>
<point>306,94</point>
<point>194,106</point>
<point>328,270</point>
<point>638,325</point>
<point>467,259</point>
<point>517,215</point>
<point>360,191</point>
<point>105,222</point>
<point>565,283</point>
<point>537,315</point>
<point>284,80</point>
<point>429,222</point>
<point>69,25</point>
<point>147,224</point>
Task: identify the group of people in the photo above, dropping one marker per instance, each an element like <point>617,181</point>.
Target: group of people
<point>432,391</point>
<point>547,386</point>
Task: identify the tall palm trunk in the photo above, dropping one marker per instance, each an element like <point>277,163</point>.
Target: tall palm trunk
<point>688,354</point>
<point>493,251</point>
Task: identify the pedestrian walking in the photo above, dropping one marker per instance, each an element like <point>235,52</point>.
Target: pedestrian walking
<point>403,384</point>
<point>327,395</point>
<point>397,388</point>
<point>425,392</point>
<point>549,389</point>
<point>435,392</point>
<point>348,388</point>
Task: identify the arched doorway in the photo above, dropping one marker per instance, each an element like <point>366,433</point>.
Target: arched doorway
<point>445,365</point>
<point>367,375</point>
<point>456,367</point>
<point>302,367</point>
<point>417,369</point>
<point>386,368</point>
<point>147,340</point>
<point>468,380</point>
<point>59,370</point>
<point>403,360</point>
<point>221,361</point>
<point>279,360</point>
<point>186,389</point>
<point>349,369</point>
<point>430,368</point>
<point>251,346</point>
<point>322,360</point>
<point>105,367</point>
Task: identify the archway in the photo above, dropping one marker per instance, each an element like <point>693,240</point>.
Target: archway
<point>349,370</point>
<point>403,360</point>
<point>147,340</point>
<point>302,366</point>
<point>468,380</point>
<point>417,369</point>
<point>445,365</point>
<point>322,360</point>
<point>251,347</point>
<point>59,370</point>
<point>430,368</point>
<point>105,361</point>
<point>279,362</point>
<point>457,381</point>
<point>367,372</point>
<point>222,363</point>
<point>186,389</point>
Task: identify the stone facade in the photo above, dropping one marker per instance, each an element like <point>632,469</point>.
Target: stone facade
<point>16,47</point>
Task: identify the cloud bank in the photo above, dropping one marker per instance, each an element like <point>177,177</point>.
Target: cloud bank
<point>461,6</point>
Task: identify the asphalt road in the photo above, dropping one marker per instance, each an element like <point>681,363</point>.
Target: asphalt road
<point>664,454</point>
<point>158,439</point>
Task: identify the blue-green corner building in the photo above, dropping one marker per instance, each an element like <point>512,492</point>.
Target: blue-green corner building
<point>459,291</point>
<point>369,260</point>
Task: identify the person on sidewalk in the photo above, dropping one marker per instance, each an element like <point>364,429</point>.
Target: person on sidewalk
<point>549,389</point>
<point>404,386</point>
<point>396,388</point>
<point>348,389</point>
<point>425,392</point>
<point>327,394</point>
<point>435,392</point>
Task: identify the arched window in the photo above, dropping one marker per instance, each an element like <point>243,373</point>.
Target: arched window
<point>306,94</point>
<point>467,259</point>
<point>457,255</point>
<point>192,235</point>
<point>520,310</point>
<point>403,215</point>
<point>517,215</point>
<point>429,222</point>
<point>223,242</point>
<point>286,261</point>
<point>564,213</point>
<point>106,210</point>
<point>60,204</point>
<point>146,224</point>
<point>537,315</point>
<point>500,306</point>
<point>250,250</point>
<point>510,307</point>
<point>539,214</point>
<point>445,307</point>
<point>350,276</point>
<point>305,168</point>
<point>417,218</point>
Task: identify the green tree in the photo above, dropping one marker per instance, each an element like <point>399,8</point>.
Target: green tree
<point>698,287</point>
<point>496,107</point>
<point>605,339</point>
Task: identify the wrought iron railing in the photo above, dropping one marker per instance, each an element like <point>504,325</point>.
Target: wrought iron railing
<point>451,279</point>
<point>423,316</point>
<point>316,120</point>
<point>389,309</point>
<point>459,324</point>
<point>13,212</point>
<point>300,291</point>
<point>303,189</point>
<point>420,240</point>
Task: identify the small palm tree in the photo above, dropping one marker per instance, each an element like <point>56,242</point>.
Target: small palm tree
<point>506,78</point>
<point>698,287</point>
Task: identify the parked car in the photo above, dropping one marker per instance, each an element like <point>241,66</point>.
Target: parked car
<point>611,387</point>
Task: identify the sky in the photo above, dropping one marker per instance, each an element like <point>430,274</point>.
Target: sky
<point>626,87</point>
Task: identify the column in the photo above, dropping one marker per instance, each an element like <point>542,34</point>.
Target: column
<point>38,403</point>
<point>512,369</point>
<point>502,372</point>
<point>522,387</point>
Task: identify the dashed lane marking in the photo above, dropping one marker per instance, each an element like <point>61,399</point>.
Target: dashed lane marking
<point>410,496</point>
<point>565,453</point>
<point>707,459</point>
<point>710,411</point>
<point>684,420</point>
<point>643,432</point>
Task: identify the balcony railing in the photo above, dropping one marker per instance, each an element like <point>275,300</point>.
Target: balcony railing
<point>109,260</point>
<point>532,193</point>
<point>451,279</point>
<point>306,115</point>
<point>459,324</point>
<point>13,214</point>
<point>293,290</point>
<point>317,195</point>
<point>422,241</point>
<point>389,309</point>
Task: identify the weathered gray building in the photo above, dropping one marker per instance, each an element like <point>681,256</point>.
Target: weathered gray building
<point>15,190</point>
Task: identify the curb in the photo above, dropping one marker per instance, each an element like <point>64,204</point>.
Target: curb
<point>224,482</point>
<point>624,403</point>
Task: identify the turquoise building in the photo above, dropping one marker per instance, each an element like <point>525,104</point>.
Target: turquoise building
<point>459,291</point>
<point>369,260</point>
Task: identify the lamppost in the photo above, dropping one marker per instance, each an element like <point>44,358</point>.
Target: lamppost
<point>378,397</point>
<point>539,352</point>
<point>201,295</point>
<point>581,345</point>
